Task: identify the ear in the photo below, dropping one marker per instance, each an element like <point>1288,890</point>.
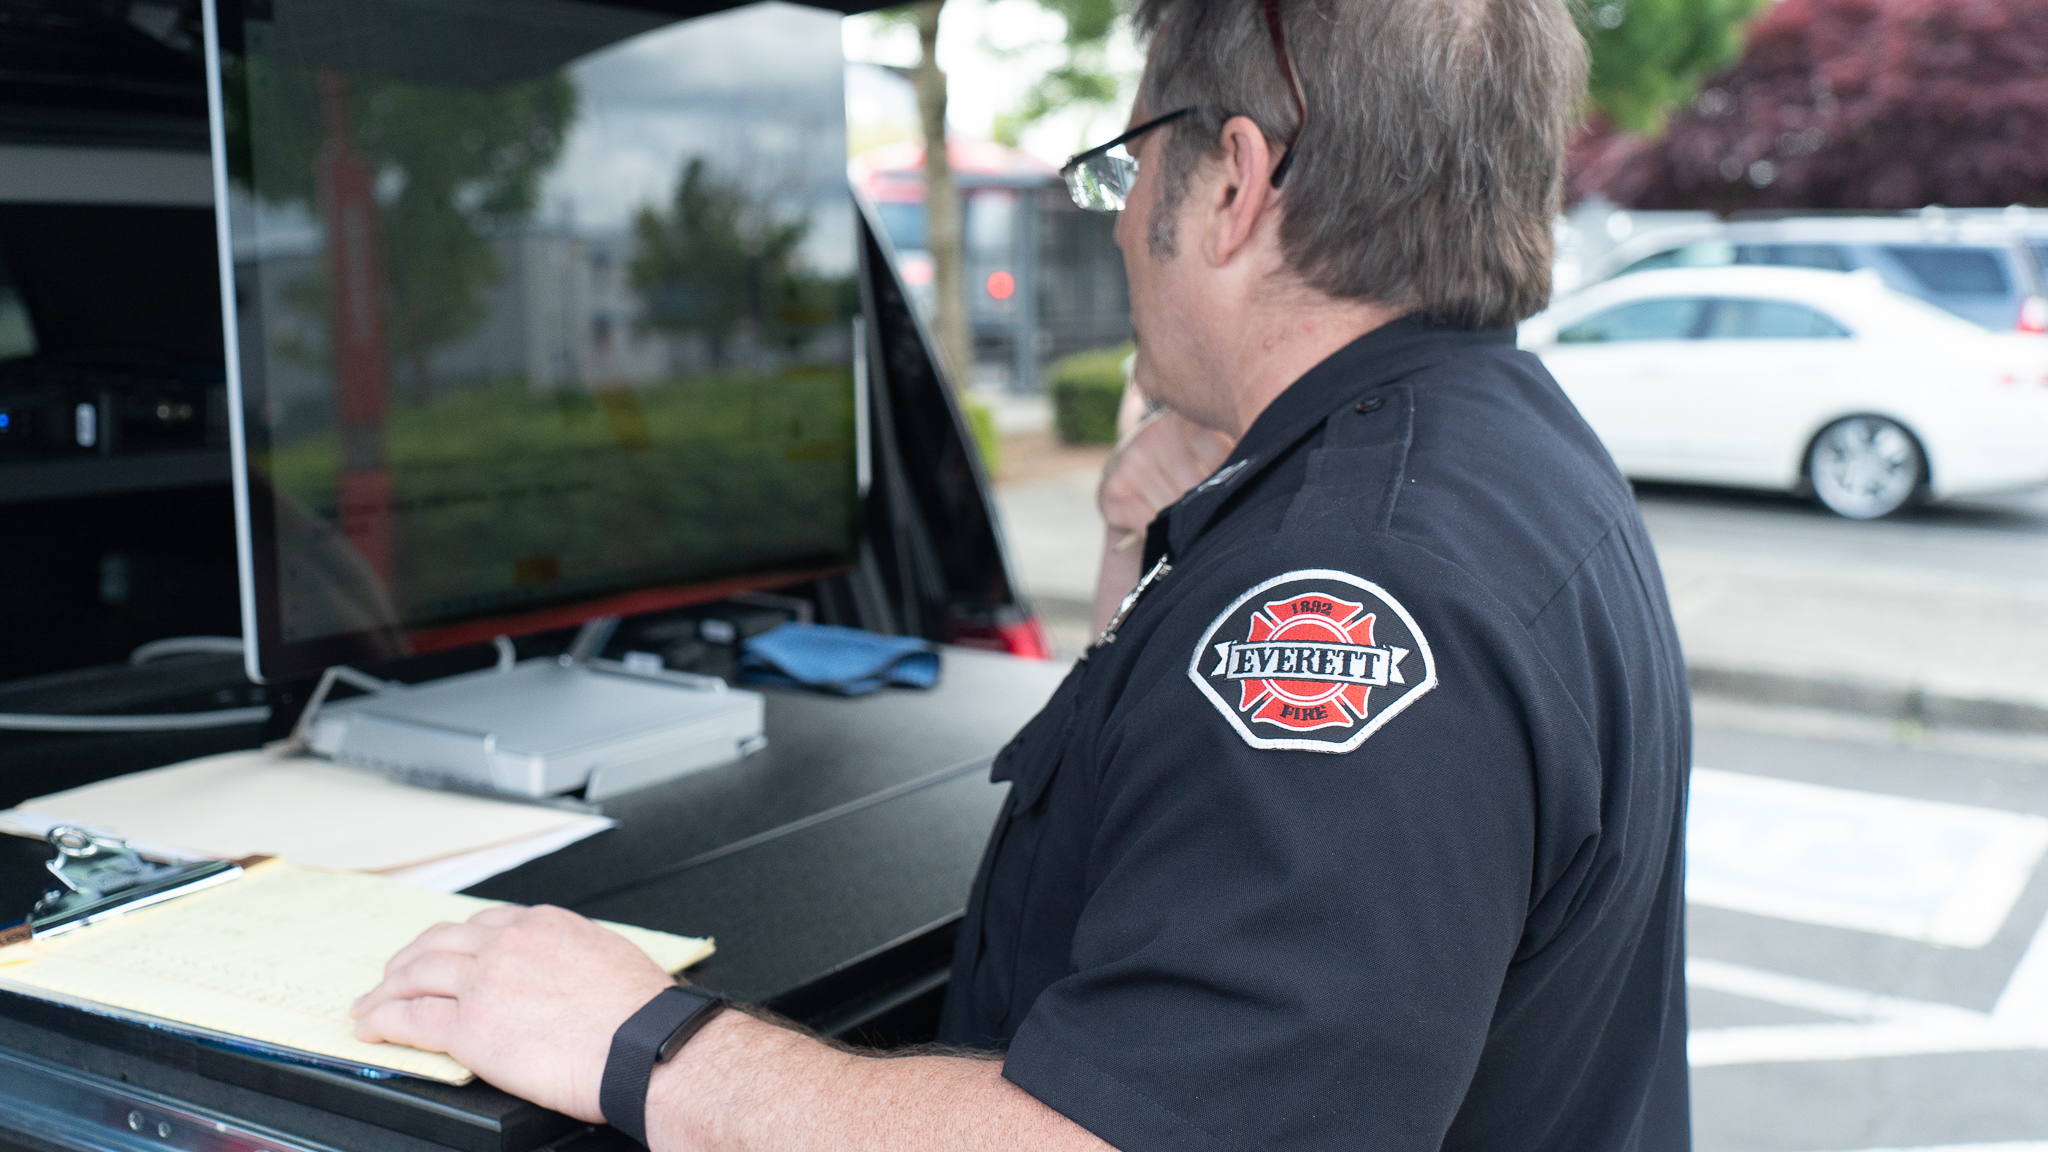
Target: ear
<point>1241,193</point>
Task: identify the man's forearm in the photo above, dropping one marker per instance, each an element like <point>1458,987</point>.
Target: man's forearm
<point>745,1085</point>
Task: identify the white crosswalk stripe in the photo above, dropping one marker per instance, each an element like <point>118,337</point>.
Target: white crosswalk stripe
<point>1947,873</point>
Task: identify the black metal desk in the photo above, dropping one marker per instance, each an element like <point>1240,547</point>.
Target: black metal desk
<point>831,867</point>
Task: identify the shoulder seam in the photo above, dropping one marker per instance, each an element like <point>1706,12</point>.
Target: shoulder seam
<point>1527,627</point>
<point>1613,526</point>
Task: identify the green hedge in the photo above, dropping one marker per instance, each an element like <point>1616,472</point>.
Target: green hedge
<point>981,420</point>
<point>1086,389</point>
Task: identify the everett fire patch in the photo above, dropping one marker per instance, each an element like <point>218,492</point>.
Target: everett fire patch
<point>1315,660</point>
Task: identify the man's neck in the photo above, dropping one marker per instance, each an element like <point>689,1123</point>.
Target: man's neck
<point>1286,339</point>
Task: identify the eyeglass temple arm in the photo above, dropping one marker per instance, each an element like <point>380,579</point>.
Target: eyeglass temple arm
<point>1079,158</point>
<point>1278,32</point>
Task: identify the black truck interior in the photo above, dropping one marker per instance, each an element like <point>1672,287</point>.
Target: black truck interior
<point>831,867</point>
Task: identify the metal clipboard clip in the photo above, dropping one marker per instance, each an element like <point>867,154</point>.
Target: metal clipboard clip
<point>100,877</point>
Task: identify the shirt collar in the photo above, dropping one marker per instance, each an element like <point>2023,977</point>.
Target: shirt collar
<point>1380,357</point>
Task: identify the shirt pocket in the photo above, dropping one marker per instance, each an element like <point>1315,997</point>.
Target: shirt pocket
<point>1031,759</point>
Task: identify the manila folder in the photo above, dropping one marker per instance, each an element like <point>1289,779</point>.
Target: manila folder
<point>271,961</point>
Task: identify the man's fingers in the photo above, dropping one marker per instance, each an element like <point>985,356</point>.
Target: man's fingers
<point>467,938</point>
<point>431,974</point>
<point>427,1023</point>
<point>501,916</point>
<point>1156,486</point>
<point>1196,453</point>
<point>1159,463</point>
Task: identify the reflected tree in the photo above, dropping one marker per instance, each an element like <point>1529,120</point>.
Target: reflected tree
<point>454,169</point>
<point>462,165</point>
<point>717,261</point>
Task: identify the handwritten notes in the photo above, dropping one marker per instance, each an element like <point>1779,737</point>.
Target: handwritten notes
<point>275,957</point>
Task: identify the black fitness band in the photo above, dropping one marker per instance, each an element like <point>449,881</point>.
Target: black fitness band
<point>647,1038</point>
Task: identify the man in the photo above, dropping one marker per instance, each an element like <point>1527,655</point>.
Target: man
<point>1359,827</point>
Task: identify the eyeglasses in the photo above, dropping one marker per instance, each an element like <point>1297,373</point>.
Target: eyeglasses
<point>1100,179</point>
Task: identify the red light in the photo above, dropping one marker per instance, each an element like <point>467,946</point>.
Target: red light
<point>917,273</point>
<point>1002,285</point>
<point>2033,316</point>
<point>1023,637</point>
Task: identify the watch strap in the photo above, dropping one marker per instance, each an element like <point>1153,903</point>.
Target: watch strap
<point>647,1038</point>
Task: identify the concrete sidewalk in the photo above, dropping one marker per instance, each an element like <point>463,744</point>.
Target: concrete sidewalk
<point>1923,621</point>
<point>1915,623</point>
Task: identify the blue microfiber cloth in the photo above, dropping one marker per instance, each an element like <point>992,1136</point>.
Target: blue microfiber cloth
<point>828,658</point>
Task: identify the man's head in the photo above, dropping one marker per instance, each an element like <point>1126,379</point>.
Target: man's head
<point>1426,177</point>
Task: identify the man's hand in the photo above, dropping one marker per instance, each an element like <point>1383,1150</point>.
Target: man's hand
<point>527,998</point>
<point>1151,468</point>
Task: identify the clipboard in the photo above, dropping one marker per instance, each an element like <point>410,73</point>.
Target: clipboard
<point>266,966</point>
<point>99,878</point>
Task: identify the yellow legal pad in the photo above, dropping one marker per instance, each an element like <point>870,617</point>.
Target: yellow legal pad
<point>268,961</point>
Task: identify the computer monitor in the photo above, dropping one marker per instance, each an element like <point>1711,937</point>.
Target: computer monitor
<point>540,310</point>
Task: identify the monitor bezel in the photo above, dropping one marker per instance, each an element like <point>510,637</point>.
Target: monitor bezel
<point>267,655</point>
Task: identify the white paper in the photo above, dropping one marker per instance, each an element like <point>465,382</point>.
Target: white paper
<point>313,812</point>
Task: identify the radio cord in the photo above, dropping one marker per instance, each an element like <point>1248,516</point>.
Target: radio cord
<point>163,722</point>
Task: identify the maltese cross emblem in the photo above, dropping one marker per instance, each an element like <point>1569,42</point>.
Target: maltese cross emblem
<point>1315,660</point>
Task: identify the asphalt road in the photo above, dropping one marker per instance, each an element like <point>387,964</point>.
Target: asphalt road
<point>1868,936</point>
<point>2002,537</point>
<point>1868,906</point>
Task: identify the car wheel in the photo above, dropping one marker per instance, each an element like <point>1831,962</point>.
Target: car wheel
<point>1864,467</point>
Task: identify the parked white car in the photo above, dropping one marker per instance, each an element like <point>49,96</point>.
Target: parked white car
<point>1798,380</point>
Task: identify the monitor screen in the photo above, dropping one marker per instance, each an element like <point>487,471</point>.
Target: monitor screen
<point>543,310</point>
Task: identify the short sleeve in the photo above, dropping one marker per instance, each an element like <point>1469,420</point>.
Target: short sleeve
<point>1298,921</point>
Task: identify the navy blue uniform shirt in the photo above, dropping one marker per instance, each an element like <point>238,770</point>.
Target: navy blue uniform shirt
<point>1364,831</point>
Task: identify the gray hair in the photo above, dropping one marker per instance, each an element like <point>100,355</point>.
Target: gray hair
<point>1432,164</point>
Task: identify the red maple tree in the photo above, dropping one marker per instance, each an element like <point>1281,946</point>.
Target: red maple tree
<point>1851,104</point>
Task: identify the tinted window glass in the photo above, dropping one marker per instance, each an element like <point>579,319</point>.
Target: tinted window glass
<point>1955,270</point>
<point>1642,320</point>
<point>1826,257</point>
<point>1706,254</point>
<point>17,335</point>
<point>591,274</point>
<point>1770,320</point>
<point>904,223</point>
<point>991,222</point>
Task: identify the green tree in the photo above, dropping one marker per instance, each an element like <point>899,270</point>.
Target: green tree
<point>942,209</point>
<point>1649,56</point>
<point>1083,75</point>
<point>715,238</point>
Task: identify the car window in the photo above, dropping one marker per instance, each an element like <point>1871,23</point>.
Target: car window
<point>17,333</point>
<point>1672,319</point>
<point>1705,254</point>
<point>990,224</point>
<point>904,223</point>
<point>1953,269</point>
<point>2040,249</point>
<point>1770,320</point>
<point>1826,257</point>
<point>1909,312</point>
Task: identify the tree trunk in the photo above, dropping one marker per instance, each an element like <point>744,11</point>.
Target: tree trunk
<point>942,206</point>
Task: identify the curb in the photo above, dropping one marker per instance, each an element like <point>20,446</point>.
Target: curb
<point>1910,702</point>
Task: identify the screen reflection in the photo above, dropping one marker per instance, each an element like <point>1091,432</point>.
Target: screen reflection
<point>539,302</point>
